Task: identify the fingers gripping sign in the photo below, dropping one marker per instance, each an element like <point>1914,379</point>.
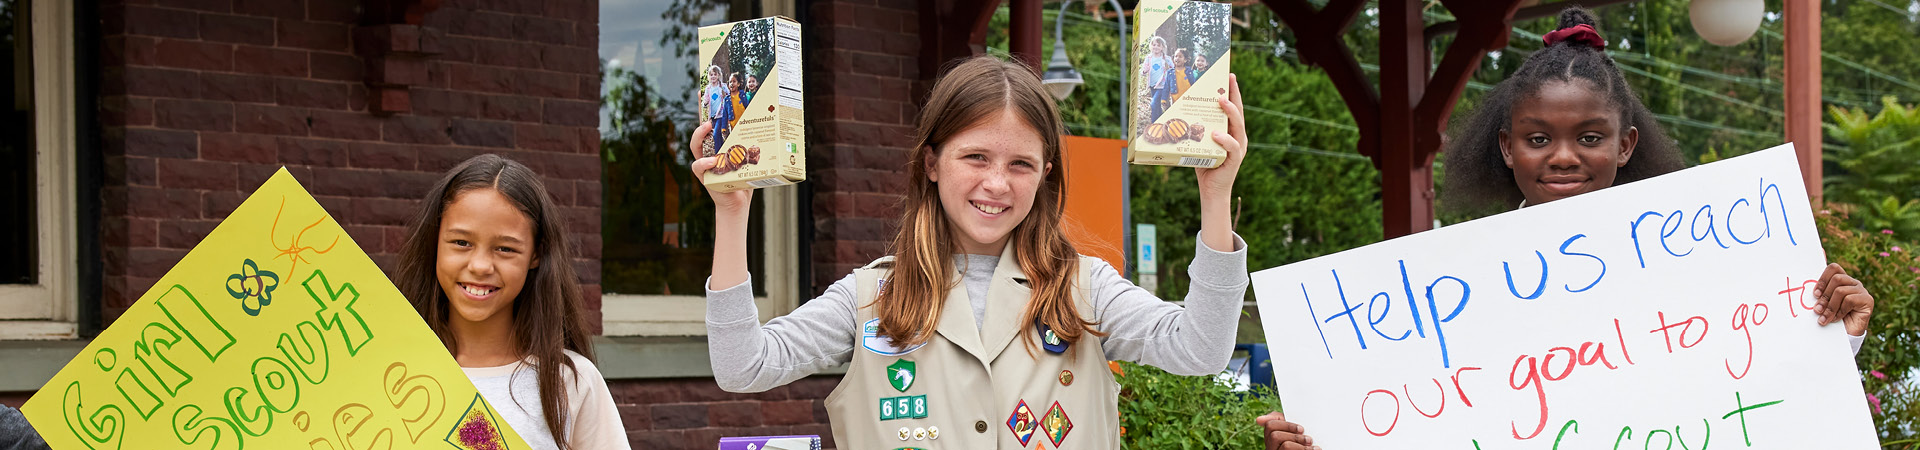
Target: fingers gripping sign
<point>1840,297</point>
<point>1284,435</point>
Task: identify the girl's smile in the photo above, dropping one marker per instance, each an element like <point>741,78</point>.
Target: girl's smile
<point>987,175</point>
<point>485,252</point>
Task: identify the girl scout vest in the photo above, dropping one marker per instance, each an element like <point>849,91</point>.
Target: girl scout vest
<point>973,387</point>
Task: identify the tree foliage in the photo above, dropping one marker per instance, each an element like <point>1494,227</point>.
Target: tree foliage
<point>1877,165</point>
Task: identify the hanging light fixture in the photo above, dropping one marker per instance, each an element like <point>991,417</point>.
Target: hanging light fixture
<point>1726,22</point>
<point>1060,77</point>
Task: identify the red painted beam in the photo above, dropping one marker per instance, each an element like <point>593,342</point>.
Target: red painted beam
<point>1406,170</point>
<point>1803,90</point>
<point>1318,42</point>
<point>951,30</point>
<point>1023,37</point>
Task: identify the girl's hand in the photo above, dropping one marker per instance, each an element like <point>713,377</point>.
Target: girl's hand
<point>1218,181</point>
<point>724,203</point>
<point>1841,297</point>
<point>1216,184</point>
<point>1284,435</point>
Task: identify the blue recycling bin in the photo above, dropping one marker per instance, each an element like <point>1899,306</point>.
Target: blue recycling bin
<point>1259,366</point>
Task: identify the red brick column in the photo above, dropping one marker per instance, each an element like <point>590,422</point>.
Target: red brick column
<point>863,64</point>
<point>202,100</point>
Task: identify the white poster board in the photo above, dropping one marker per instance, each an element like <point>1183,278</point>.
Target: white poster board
<point>1669,313</point>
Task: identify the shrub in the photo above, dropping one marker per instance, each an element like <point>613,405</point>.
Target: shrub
<point>1885,263</point>
<point>1159,410</point>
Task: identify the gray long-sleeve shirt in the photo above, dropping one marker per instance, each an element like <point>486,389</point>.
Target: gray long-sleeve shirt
<point>822,333</point>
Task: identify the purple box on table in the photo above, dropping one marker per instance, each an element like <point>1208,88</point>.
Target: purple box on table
<point>770,443</point>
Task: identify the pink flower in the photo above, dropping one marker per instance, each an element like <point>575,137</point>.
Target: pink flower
<point>1886,231</point>
<point>1875,400</point>
<point>1896,248</point>
<point>1877,374</point>
<point>1884,254</point>
<point>1826,212</point>
<point>1914,269</point>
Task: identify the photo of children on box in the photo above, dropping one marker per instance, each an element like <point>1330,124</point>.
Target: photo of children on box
<point>1178,46</point>
<point>733,76</point>
<point>754,138</point>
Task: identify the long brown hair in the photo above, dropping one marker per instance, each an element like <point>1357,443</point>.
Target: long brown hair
<point>547,315</point>
<point>909,307</point>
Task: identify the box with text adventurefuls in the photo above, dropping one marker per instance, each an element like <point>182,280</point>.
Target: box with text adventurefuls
<point>758,135</point>
<point>1181,54</point>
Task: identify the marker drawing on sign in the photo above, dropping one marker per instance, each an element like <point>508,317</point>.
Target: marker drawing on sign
<point>293,251</point>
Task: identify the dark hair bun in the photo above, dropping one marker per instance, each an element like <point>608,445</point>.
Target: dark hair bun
<point>1573,16</point>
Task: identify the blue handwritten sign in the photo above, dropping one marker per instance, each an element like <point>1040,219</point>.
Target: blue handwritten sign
<point>1648,315</point>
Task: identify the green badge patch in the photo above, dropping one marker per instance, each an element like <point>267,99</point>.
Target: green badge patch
<point>908,407</point>
<point>901,375</point>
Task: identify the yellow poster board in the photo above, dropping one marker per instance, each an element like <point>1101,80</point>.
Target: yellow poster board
<point>276,332</point>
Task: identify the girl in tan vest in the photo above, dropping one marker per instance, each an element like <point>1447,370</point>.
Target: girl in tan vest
<point>979,261</point>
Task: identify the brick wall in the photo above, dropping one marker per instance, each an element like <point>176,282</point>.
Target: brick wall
<point>202,100</point>
<point>693,413</point>
<point>863,66</point>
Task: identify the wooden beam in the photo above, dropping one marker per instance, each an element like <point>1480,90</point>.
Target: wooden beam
<point>1489,25</point>
<point>1803,90</point>
<point>951,30</point>
<point>1406,170</point>
<point>1527,13</point>
<point>1024,35</point>
<point>1318,42</point>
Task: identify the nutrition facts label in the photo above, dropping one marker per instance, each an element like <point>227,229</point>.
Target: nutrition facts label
<point>787,48</point>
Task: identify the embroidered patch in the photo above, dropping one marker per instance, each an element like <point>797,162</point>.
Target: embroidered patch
<point>1056,424</point>
<point>1022,423</point>
<point>1066,378</point>
<point>906,433</point>
<point>478,428</point>
<point>871,339</point>
<point>920,434</point>
<point>1050,341</point>
<point>908,407</point>
<point>933,432</point>
<point>900,374</point>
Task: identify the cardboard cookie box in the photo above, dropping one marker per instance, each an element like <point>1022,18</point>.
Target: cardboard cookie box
<point>750,88</point>
<point>1181,53</point>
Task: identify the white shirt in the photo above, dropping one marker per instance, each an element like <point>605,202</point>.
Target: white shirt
<point>514,390</point>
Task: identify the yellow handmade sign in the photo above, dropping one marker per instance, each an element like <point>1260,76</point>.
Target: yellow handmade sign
<point>275,332</point>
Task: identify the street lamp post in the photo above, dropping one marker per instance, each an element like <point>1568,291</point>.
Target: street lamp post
<point>1061,78</point>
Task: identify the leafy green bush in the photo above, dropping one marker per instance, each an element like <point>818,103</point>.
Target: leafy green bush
<point>1875,169</point>
<point>1159,410</point>
<point>1884,261</point>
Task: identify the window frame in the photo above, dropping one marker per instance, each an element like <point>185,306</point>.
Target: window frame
<point>686,315</point>
<point>48,309</point>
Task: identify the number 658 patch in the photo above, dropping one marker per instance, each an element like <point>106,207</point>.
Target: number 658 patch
<point>907,407</point>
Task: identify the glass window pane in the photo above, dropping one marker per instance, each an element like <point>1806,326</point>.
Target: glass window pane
<point>657,221</point>
<point>18,231</point>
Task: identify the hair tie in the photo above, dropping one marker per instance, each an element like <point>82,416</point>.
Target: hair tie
<point>1581,33</point>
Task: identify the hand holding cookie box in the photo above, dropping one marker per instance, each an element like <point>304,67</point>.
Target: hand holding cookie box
<point>1181,48</point>
<point>757,135</point>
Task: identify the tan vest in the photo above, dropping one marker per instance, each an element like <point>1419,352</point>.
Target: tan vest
<point>975,387</point>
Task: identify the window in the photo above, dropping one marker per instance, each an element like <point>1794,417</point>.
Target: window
<point>657,231</point>
<point>36,171</point>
